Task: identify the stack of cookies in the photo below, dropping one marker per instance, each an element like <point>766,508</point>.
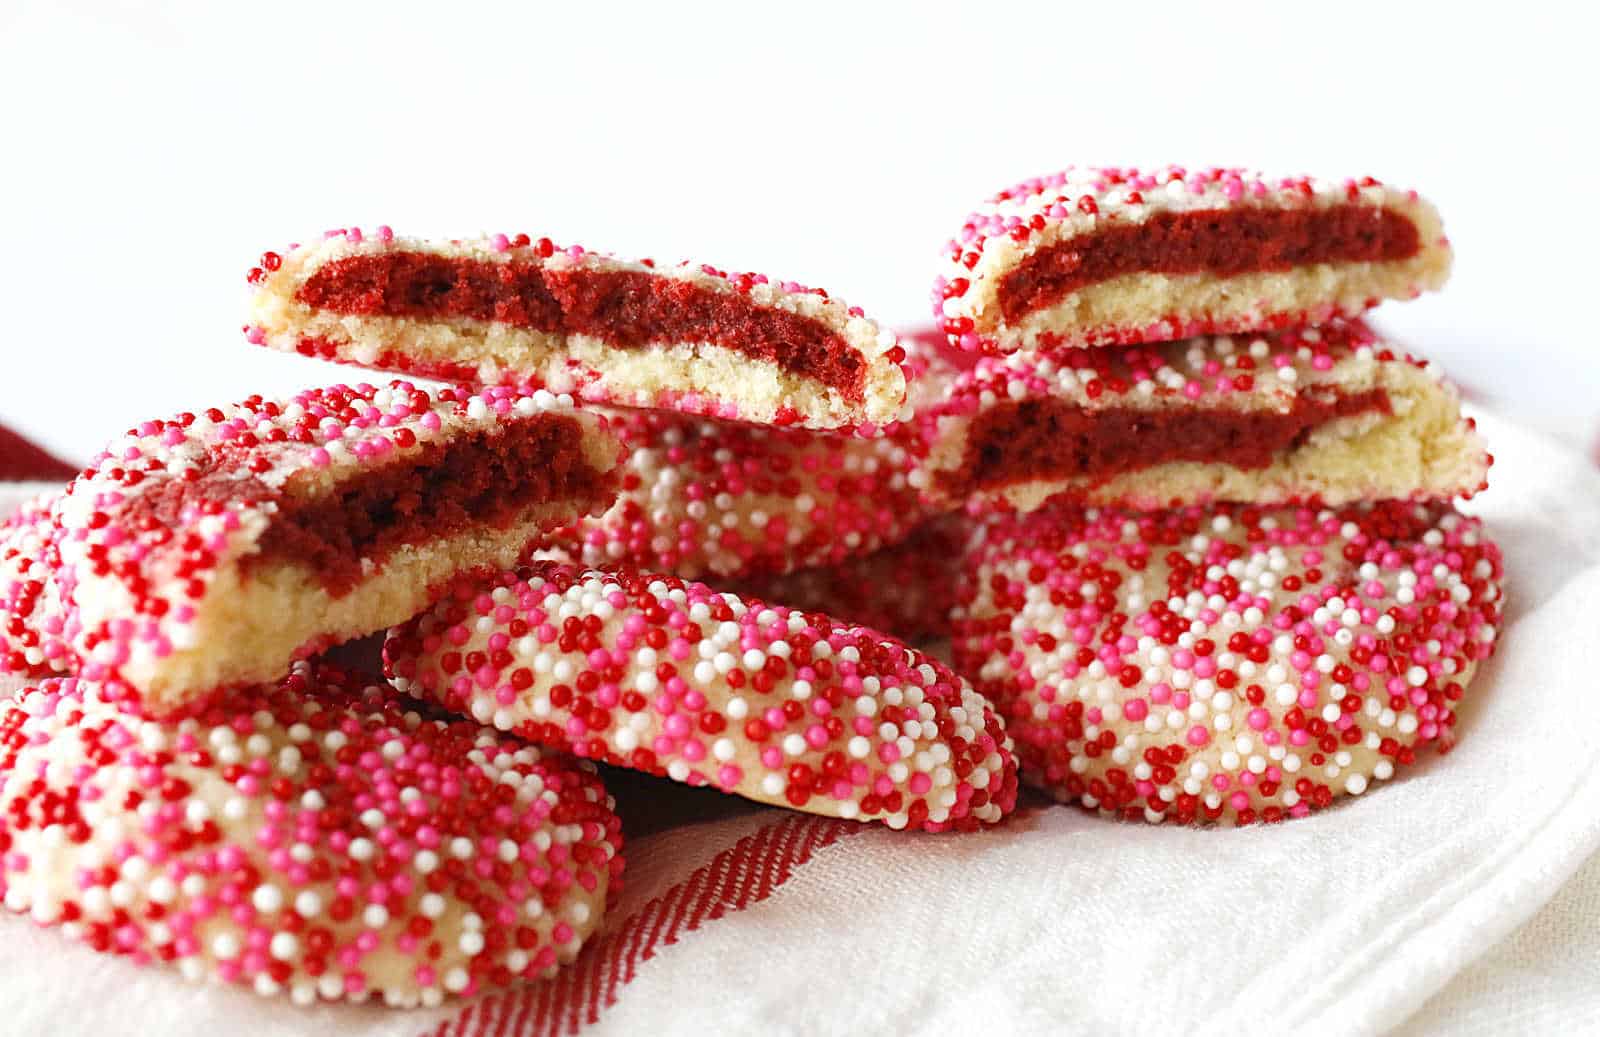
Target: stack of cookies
<point>1217,573</point>
<point>1183,518</point>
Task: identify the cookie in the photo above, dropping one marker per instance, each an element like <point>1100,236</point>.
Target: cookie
<point>1332,415</point>
<point>672,678</point>
<point>211,549</point>
<point>905,590</point>
<point>703,498</point>
<point>1121,256</point>
<point>32,617</point>
<point>741,504</point>
<point>494,310</point>
<point>1226,665</point>
<point>316,837</point>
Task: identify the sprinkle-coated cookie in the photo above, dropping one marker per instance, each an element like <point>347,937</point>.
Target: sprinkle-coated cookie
<point>512,310</point>
<point>1332,415</point>
<point>702,498</point>
<point>32,617</point>
<point>1231,664</point>
<point>318,837</point>
<point>671,677</point>
<point>211,549</point>
<point>1107,256</point>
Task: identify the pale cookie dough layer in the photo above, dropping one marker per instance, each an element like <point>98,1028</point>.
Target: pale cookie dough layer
<point>673,678</point>
<point>1417,445</point>
<point>1226,664</point>
<point>248,626</point>
<point>318,838</point>
<point>1136,307</point>
<point>693,375</point>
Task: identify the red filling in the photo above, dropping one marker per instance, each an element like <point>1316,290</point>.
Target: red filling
<point>627,309</point>
<point>1054,439</point>
<point>1224,242</point>
<point>487,479</point>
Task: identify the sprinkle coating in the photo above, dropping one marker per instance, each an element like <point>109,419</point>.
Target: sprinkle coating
<point>32,617</point>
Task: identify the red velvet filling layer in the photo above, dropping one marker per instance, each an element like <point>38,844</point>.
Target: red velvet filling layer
<point>1053,439</point>
<point>627,309</point>
<point>488,479</point>
<point>1224,242</point>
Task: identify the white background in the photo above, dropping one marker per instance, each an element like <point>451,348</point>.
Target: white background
<point>151,151</point>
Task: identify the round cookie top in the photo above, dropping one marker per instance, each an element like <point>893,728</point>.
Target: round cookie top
<point>1228,663</point>
<point>143,533</point>
<point>1025,217</point>
<point>319,837</point>
<point>703,498</point>
<point>707,498</point>
<point>671,677</point>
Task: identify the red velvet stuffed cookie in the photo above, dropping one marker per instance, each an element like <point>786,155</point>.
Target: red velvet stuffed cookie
<point>1107,256</point>
<point>213,548</point>
<point>497,310</point>
<point>670,677</point>
<point>1332,414</point>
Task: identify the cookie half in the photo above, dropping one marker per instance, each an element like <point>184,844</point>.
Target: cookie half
<point>1108,256</point>
<point>317,838</point>
<point>498,310</point>
<point>1232,664</point>
<point>672,678</point>
<point>211,549</point>
<point>1332,414</point>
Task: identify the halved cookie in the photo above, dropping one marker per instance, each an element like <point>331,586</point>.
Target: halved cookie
<point>499,310</point>
<point>1107,256</point>
<point>1330,415</point>
<point>213,548</point>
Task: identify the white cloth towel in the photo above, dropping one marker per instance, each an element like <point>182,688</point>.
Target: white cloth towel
<point>1349,921</point>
